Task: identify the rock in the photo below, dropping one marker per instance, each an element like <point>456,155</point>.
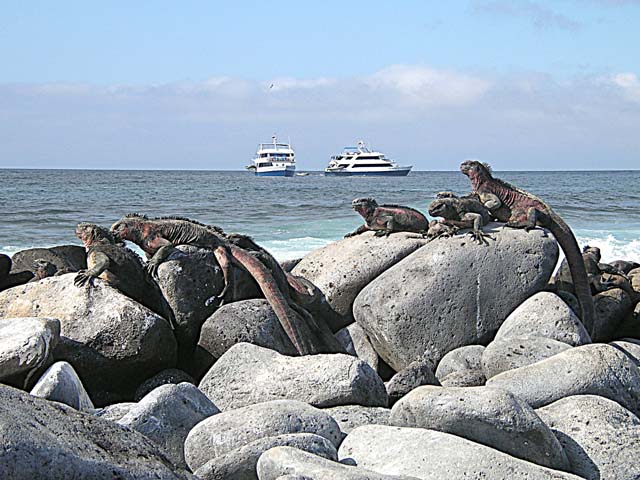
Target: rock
<point>288,265</point>
<point>60,383</point>
<point>251,321</point>
<point>5,266</point>
<point>416,374</point>
<point>188,278</point>
<point>489,416</point>
<point>464,358</point>
<point>452,292</point>
<point>201,362</point>
<point>433,455</point>
<point>624,266</point>
<point>464,378</point>
<point>599,436</point>
<point>172,376</point>
<point>41,439</point>
<point>293,464</point>
<point>167,414</point>
<point>544,314</point>
<point>634,277</point>
<point>355,341</point>
<point>611,307</point>
<point>596,369</point>
<point>7,279</point>
<point>66,258</point>
<point>227,431</point>
<point>343,268</point>
<point>630,347</point>
<point>115,411</point>
<point>112,342</point>
<point>630,326</point>
<point>511,353</point>
<point>26,344</point>
<point>249,374</point>
<point>349,417</point>
<point>240,464</point>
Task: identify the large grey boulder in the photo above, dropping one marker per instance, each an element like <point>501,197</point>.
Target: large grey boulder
<point>249,374</point>
<point>452,292</point>
<point>240,464</point>
<point>349,417</point>
<point>433,455</point>
<point>596,369</point>
<point>66,258</point>
<point>611,309</point>
<point>251,321</point>
<point>171,376</point>
<point>464,358</point>
<point>167,414</point>
<point>510,353</point>
<point>355,342</point>
<point>48,440</point>
<point>115,411</point>
<point>26,344</point>
<point>490,416</point>
<point>60,383</point>
<point>113,342</point>
<point>601,438</point>
<point>289,463</point>
<point>544,314</point>
<point>343,268</point>
<point>222,433</point>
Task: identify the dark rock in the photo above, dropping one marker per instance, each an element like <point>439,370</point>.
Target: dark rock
<point>66,258</point>
<point>355,341</point>
<point>170,376</point>
<point>624,266</point>
<point>418,373</point>
<point>288,265</point>
<point>611,307</point>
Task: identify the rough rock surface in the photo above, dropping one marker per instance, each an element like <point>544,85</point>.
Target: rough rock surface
<point>168,376</point>
<point>60,383</point>
<point>289,463</point>
<point>167,414</point>
<point>432,455</point>
<point>452,292</point>
<point>66,258</point>
<point>112,342</point>
<point>601,438</point>
<point>464,378</point>
<point>630,347</point>
<point>355,341</point>
<point>249,374</point>
<point>343,268</point>
<point>222,433</point>
<point>489,416</point>
<point>115,411</point>
<point>544,314</point>
<point>510,353</point>
<point>464,358</point>
<point>26,343</point>
<point>416,374</point>
<point>596,369</point>
<point>240,464</point>
<point>46,440</point>
<point>349,417</point>
<point>611,307</point>
<point>251,321</point>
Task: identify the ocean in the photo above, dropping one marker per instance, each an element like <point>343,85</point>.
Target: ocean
<point>292,216</point>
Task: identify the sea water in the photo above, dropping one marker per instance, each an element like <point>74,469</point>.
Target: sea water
<point>292,216</point>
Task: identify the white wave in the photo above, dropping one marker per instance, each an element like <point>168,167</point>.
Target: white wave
<point>293,248</point>
<point>613,248</point>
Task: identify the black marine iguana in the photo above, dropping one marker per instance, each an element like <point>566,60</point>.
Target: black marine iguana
<point>121,268</point>
<point>158,236</point>
<point>521,209</point>
<point>460,213</point>
<point>386,219</point>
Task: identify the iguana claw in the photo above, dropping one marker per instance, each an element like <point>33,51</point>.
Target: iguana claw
<point>82,279</point>
<point>480,237</point>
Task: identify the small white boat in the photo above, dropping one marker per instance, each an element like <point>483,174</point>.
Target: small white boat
<point>274,160</point>
<point>362,161</point>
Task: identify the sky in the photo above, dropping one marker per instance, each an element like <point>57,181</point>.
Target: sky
<point>521,84</point>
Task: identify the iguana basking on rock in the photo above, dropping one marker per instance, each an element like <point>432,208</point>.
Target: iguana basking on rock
<point>386,219</point>
<point>121,268</point>
<point>158,236</point>
<point>521,209</point>
<point>460,213</point>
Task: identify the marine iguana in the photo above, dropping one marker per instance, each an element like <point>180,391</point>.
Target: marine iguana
<point>121,268</point>
<point>158,236</point>
<point>521,209</point>
<point>386,219</point>
<point>460,213</point>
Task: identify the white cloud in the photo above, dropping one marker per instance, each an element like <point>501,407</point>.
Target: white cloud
<point>629,83</point>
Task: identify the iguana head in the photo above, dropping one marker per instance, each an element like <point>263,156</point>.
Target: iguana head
<point>364,206</point>
<point>128,227</point>
<point>90,234</point>
<point>43,269</point>
<point>476,170</point>
<point>444,207</point>
<point>593,251</point>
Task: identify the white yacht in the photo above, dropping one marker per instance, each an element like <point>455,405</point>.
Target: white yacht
<point>362,161</point>
<point>274,160</point>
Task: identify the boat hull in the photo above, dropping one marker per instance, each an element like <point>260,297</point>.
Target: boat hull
<point>276,173</point>
<point>351,173</point>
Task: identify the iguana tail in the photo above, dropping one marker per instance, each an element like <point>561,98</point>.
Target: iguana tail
<point>305,335</point>
<point>570,247</point>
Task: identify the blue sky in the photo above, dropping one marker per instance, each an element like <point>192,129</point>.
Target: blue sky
<point>522,84</point>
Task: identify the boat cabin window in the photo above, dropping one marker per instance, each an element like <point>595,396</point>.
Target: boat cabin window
<point>265,164</point>
<point>367,165</point>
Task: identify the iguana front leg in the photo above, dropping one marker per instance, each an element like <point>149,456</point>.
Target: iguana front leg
<point>158,258</point>
<point>85,277</point>
<point>388,224</point>
<point>491,201</point>
<point>358,231</point>
<point>475,219</point>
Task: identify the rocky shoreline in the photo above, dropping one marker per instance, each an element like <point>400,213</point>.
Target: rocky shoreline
<point>465,360</point>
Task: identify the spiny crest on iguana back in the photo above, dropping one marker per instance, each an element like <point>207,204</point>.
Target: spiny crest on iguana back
<point>391,205</point>
<point>505,184</point>
<point>215,228</point>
